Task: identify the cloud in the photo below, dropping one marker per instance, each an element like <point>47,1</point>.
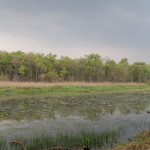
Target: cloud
<point>74,28</point>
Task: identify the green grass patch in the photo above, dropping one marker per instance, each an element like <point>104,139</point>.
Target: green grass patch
<point>71,89</point>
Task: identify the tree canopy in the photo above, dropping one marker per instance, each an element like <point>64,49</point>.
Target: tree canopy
<point>21,66</point>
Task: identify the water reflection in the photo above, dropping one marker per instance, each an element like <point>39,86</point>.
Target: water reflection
<point>124,113</point>
<point>91,107</point>
<point>124,126</point>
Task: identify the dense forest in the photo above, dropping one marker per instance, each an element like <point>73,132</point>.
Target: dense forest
<point>21,66</point>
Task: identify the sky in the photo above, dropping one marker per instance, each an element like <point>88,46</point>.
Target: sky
<point>74,28</point>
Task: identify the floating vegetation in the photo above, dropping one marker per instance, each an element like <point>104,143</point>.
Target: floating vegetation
<point>92,109</point>
<point>88,106</point>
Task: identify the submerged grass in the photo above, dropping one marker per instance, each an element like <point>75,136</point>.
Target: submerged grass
<point>72,140</point>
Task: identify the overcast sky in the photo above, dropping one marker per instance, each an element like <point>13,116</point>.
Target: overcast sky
<point>111,28</point>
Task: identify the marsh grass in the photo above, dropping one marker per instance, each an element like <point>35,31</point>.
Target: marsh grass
<point>72,140</point>
<point>45,84</point>
<point>30,88</point>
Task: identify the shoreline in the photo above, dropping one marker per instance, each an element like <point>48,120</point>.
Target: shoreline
<point>140,141</point>
<point>68,88</point>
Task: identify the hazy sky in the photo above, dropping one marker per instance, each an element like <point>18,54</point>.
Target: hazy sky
<point>111,28</point>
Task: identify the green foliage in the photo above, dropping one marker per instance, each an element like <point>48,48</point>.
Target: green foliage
<point>93,67</point>
<point>22,69</point>
<point>140,72</point>
<point>20,66</point>
<point>124,62</point>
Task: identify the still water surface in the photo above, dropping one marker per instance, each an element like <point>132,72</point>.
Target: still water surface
<point>124,113</point>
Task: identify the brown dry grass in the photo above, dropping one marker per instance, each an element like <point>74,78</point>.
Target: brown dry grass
<point>46,84</point>
<point>141,142</point>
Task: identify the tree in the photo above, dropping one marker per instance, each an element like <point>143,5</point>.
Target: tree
<point>93,67</point>
<point>17,59</point>
<point>139,72</point>
<point>5,61</point>
<point>39,65</point>
<point>122,70</point>
<point>20,66</point>
<point>109,70</point>
<point>65,67</point>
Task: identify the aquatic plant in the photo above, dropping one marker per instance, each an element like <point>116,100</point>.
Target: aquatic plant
<point>72,140</point>
<point>89,106</point>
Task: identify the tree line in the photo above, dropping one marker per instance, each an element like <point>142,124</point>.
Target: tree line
<point>21,66</point>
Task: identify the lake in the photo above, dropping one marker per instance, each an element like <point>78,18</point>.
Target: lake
<point>93,120</point>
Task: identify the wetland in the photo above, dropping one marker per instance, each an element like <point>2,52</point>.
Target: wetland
<point>95,120</point>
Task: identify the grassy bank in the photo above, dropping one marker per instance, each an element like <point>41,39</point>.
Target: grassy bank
<point>15,88</point>
<point>140,142</point>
